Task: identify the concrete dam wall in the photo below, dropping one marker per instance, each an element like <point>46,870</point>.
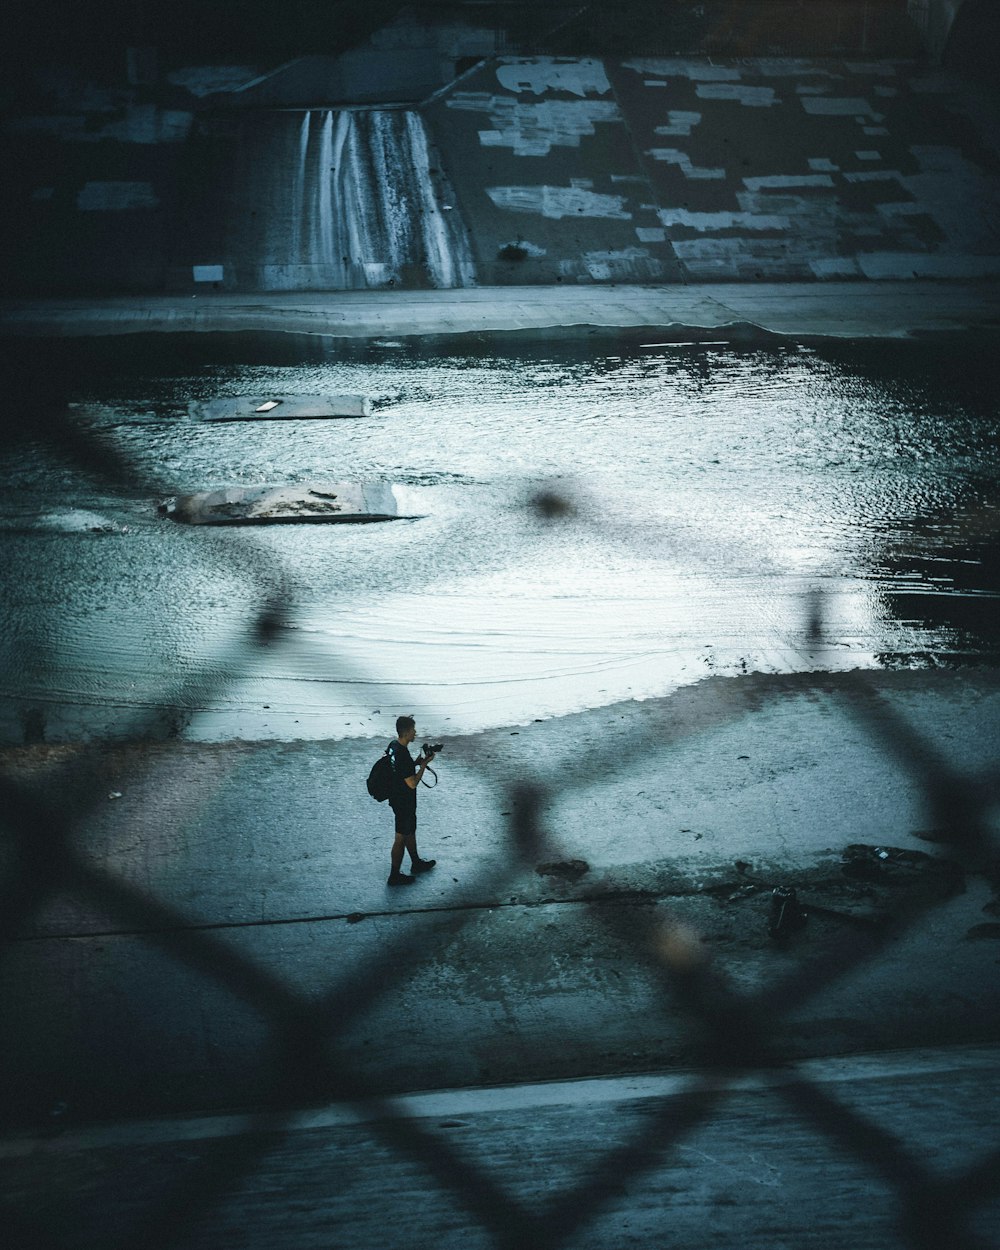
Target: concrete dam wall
<point>526,170</point>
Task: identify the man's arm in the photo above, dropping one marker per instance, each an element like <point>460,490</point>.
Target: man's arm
<point>414,779</point>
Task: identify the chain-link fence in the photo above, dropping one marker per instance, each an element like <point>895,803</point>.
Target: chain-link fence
<point>310,1056</point>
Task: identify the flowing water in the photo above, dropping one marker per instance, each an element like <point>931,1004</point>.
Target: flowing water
<point>589,518</point>
<point>343,199</point>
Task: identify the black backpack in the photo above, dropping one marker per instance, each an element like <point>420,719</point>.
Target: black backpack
<point>380,778</point>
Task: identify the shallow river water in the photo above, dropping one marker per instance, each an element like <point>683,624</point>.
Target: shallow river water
<point>590,517</point>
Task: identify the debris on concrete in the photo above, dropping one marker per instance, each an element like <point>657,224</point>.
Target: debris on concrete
<point>897,869</point>
<point>280,407</point>
<point>744,891</point>
<point>567,869</point>
<point>786,915</point>
<point>255,505</point>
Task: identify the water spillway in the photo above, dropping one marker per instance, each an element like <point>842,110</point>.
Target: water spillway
<point>352,200</point>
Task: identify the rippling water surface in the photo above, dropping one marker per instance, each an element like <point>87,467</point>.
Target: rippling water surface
<point>702,504</point>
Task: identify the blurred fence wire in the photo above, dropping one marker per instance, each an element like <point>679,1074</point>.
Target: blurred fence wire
<point>310,1059</point>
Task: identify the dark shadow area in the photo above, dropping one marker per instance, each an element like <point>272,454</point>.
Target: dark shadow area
<point>973,47</point>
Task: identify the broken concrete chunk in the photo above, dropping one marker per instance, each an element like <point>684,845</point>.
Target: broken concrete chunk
<point>280,407</point>
<point>256,505</point>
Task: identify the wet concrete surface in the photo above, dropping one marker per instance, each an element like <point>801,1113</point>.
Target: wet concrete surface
<point>212,894</point>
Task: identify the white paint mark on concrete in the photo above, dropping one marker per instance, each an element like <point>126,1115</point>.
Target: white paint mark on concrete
<point>868,156</point>
<point>792,67</point>
<point>583,184</point>
<point>654,82</point>
<point>751,97</point>
<point>721,255</point>
<point>822,164</point>
<point>723,221</point>
<point>207,273</point>
<point>836,106</point>
<point>680,123</point>
<point>835,267</point>
<point>534,129</point>
<point>650,234</point>
<point>545,73</point>
<point>116,197</point>
<point>782,181</point>
<point>672,156</point>
<point>604,266</point>
<point>558,202</point>
<point>532,249</point>
<point>676,67</point>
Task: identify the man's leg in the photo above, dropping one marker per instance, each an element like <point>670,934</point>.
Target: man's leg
<point>396,862</point>
<point>416,863</point>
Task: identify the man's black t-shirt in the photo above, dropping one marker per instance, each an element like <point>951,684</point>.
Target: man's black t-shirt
<point>400,794</point>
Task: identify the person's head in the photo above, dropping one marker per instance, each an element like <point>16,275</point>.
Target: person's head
<point>406,729</point>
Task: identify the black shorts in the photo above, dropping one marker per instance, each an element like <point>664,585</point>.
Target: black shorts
<point>406,819</point>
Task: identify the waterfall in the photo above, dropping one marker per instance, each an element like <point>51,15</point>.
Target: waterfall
<point>298,185</point>
<point>361,208</point>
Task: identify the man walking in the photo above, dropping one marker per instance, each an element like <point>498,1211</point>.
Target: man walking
<point>406,775</point>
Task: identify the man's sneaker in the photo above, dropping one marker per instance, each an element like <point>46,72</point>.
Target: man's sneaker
<point>400,878</point>
<point>423,865</point>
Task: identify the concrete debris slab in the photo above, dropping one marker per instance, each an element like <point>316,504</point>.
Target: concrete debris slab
<point>280,407</point>
<point>256,505</point>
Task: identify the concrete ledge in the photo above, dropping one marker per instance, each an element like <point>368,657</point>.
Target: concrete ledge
<point>858,309</point>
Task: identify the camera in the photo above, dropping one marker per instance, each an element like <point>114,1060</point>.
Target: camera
<point>431,748</point>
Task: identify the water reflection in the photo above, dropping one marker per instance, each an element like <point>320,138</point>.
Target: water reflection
<point>708,490</point>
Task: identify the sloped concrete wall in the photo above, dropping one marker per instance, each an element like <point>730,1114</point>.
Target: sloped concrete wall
<point>527,170</point>
<point>666,169</point>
